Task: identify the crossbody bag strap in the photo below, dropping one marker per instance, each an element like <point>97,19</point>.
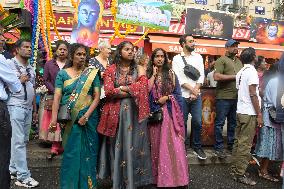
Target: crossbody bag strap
<point>24,84</point>
<point>184,61</point>
<point>241,76</point>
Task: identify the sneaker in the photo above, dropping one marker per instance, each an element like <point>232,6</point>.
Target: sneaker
<point>245,180</point>
<point>27,183</point>
<point>13,176</point>
<point>200,153</point>
<point>220,154</point>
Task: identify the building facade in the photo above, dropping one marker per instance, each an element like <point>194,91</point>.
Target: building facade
<point>256,8</point>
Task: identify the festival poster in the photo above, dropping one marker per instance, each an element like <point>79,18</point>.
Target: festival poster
<point>149,13</point>
<point>209,24</point>
<point>208,116</point>
<point>86,31</point>
<point>267,31</point>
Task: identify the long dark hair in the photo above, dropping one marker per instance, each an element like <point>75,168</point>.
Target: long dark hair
<point>167,80</point>
<point>73,49</point>
<point>57,44</point>
<point>118,57</point>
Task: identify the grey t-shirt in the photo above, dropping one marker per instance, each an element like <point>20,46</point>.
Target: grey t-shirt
<point>18,99</point>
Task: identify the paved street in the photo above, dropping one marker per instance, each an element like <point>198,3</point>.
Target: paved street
<point>207,176</point>
<point>202,177</point>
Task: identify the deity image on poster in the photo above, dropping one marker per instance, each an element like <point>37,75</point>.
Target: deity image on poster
<point>208,116</point>
<point>86,30</point>
<point>153,14</point>
<point>268,31</point>
<point>209,24</point>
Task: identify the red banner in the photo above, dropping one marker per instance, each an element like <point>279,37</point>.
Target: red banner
<point>177,28</point>
<point>64,22</point>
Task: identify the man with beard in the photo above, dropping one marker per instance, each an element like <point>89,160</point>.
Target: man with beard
<point>190,89</point>
<point>226,68</point>
<point>22,109</point>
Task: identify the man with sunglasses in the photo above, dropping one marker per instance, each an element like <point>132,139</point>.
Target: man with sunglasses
<point>190,89</point>
<point>8,82</point>
<point>21,106</point>
<point>226,68</point>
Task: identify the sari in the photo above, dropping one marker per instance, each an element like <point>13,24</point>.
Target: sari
<point>169,161</point>
<point>78,168</point>
<point>125,154</point>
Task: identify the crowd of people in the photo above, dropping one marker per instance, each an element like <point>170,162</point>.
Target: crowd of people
<point>126,119</point>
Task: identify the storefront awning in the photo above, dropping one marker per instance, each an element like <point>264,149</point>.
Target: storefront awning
<point>214,47</point>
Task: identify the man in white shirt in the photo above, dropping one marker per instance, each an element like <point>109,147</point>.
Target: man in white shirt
<point>248,116</point>
<point>190,88</point>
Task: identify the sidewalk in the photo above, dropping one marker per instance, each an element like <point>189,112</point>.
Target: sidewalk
<point>37,156</point>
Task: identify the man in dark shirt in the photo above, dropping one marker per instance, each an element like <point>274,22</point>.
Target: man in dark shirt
<point>226,68</point>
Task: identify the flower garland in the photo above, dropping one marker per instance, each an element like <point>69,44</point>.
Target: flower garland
<point>43,24</point>
<point>75,5</point>
<point>48,19</point>
<point>34,32</point>
<point>129,28</point>
<point>54,21</point>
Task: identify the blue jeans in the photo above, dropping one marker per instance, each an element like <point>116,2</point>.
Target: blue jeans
<point>21,120</point>
<point>194,108</point>
<point>225,108</point>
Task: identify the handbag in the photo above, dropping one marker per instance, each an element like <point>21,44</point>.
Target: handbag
<point>48,102</point>
<point>157,115</point>
<point>190,71</point>
<point>272,114</point>
<point>64,114</point>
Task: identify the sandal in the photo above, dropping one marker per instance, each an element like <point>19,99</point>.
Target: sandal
<point>267,177</point>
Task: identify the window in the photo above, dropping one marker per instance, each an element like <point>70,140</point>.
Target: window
<point>201,2</point>
<point>260,10</point>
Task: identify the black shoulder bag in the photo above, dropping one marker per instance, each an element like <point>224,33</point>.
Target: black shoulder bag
<point>156,116</point>
<point>190,71</point>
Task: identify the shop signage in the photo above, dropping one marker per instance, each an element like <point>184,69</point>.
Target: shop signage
<point>64,22</point>
<point>178,48</point>
<point>64,35</point>
<point>107,26</point>
<point>177,28</point>
<point>239,33</point>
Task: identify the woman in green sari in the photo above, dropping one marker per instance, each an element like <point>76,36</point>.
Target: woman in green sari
<point>79,87</point>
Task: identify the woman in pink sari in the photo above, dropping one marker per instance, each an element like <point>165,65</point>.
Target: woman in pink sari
<point>169,162</point>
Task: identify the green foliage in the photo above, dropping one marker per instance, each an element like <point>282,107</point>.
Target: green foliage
<point>9,22</point>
